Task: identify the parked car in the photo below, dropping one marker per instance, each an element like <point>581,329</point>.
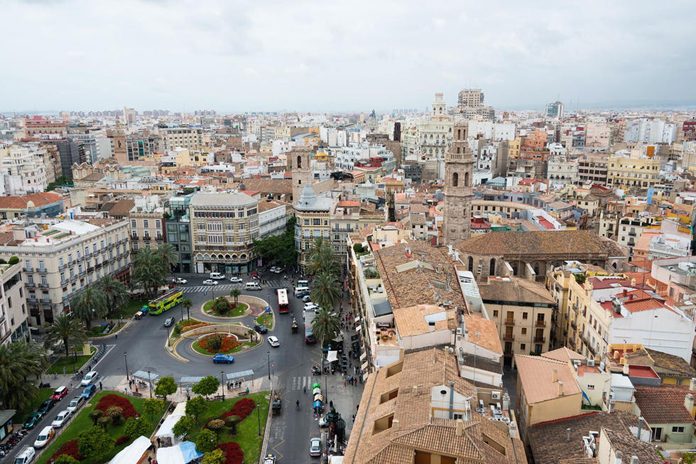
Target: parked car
<point>260,328</point>
<point>276,269</point>
<point>45,407</point>
<point>60,393</point>
<point>315,447</point>
<point>311,306</point>
<point>236,280</point>
<point>223,359</point>
<point>307,298</point>
<point>61,419</point>
<point>179,280</point>
<point>269,459</point>
<point>26,456</point>
<point>89,377</point>
<point>75,403</point>
<point>44,437</point>
<point>210,282</point>
<point>33,420</point>
<point>273,341</point>
<point>168,322</point>
<point>89,391</point>
<point>217,275</point>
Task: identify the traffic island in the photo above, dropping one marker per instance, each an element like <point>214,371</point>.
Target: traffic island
<point>224,307</point>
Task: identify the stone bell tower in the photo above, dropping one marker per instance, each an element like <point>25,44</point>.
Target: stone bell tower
<point>459,164</point>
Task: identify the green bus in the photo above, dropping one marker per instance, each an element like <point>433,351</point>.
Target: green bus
<point>165,302</point>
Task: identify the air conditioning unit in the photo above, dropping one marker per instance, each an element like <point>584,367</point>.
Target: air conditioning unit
<point>495,395</point>
<point>460,331</point>
<point>590,362</point>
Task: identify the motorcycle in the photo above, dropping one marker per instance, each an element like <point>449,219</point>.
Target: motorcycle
<point>316,370</point>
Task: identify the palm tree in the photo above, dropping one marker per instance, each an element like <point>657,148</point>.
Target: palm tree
<point>234,293</point>
<point>168,256</point>
<point>89,305</point>
<point>187,303</point>
<point>115,294</point>
<point>148,271</point>
<point>67,330</point>
<point>19,361</point>
<point>326,325</point>
<point>326,290</point>
<point>321,258</point>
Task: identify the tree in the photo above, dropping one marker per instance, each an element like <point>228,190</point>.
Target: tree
<point>95,415</point>
<point>216,425</point>
<point>136,427</point>
<point>279,248</point>
<point>321,258</point>
<point>195,407</point>
<point>95,444</point>
<point>326,325</point>
<point>232,422</point>
<point>326,291</point>
<point>184,426</point>
<point>214,457</point>
<point>206,441</point>
<point>116,414</point>
<point>167,256</point>
<point>187,303</point>
<point>115,294</point>
<point>221,305</point>
<point>19,361</point>
<point>149,272</point>
<point>206,386</point>
<point>66,330</point>
<point>234,293</point>
<point>89,305</point>
<point>165,386</point>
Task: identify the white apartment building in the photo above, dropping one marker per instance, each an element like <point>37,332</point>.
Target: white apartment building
<point>562,170</point>
<point>273,218</point>
<point>181,137</point>
<point>61,258</point>
<point>646,130</point>
<point>597,135</point>
<point>22,169</point>
<point>346,157</point>
<point>13,305</point>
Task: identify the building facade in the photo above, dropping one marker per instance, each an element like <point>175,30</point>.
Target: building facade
<point>146,223</point>
<point>459,165</point>
<point>14,313</point>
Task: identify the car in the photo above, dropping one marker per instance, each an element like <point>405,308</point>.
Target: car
<point>273,341</point>
<point>89,391</point>
<point>311,306</point>
<point>33,420</point>
<point>45,407</point>
<point>269,459</point>
<point>210,282</point>
<point>60,393</point>
<point>315,447</point>
<point>168,322</point>
<point>179,280</point>
<point>44,437</point>
<point>223,359</point>
<point>307,298</point>
<point>26,456</point>
<point>260,328</point>
<point>217,275</point>
<point>309,339</point>
<point>75,403</point>
<point>276,269</point>
<point>236,280</point>
<point>61,419</point>
<point>89,377</point>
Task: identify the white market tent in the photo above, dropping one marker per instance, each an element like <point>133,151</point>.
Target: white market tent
<point>133,453</point>
<point>183,453</point>
<point>166,430</point>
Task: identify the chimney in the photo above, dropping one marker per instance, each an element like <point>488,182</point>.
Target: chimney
<point>560,388</point>
<point>554,376</point>
<point>568,434</point>
<point>689,403</point>
<point>459,431</point>
<point>692,384</point>
<point>624,293</point>
<point>395,424</point>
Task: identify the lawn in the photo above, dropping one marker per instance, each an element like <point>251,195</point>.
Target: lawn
<point>83,422</point>
<point>228,345</point>
<point>98,330</point>
<point>42,395</point>
<point>70,364</point>
<point>265,319</point>
<point>239,310</point>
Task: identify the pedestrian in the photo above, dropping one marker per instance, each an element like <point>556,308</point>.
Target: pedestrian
<point>149,459</point>
<point>159,442</point>
<point>353,417</point>
<point>116,336</point>
<point>100,386</point>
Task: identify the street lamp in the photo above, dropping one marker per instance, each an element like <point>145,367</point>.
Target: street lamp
<point>149,378</point>
<point>125,359</point>
<point>268,355</point>
<point>222,385</point>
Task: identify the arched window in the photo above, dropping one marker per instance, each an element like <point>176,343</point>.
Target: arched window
<point>455,179</point>
<point>471,264</point>
<point>299,161</point>
<point>466,179</point>
<point>491,267</point>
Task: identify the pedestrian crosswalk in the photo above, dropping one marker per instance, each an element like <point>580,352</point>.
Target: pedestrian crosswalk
<point>225,288</point>
<point>298,383</point>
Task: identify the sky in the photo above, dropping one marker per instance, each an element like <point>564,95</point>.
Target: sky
<point>356,55</point>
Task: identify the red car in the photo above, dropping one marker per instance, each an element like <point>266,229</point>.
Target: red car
<point>60,393</point>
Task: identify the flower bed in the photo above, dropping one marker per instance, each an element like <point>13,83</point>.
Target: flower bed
<point>233,453</point>
<point>71,448</point>
<point>228,345</point>
<point>189,324</point>
<point>108,401</point>
<point>241,408</point>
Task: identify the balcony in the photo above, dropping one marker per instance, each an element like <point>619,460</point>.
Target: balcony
<point>540,323</point>
<point>509,322</point>
<point>43,284</point>
<point>508,337</point>
<point>30,284</point>
<point>147,238</point>
<point>28,269</point>
<point>540,339</point>
<point>574,325</point>
<point>134,237</point>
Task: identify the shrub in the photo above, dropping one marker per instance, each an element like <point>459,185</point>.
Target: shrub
<point>65,459</point>
<point>107,401</point>
<point>216,424</point>
<point>241,408</point>
<point>122,440</point>
<point>95,415</point>
<point>136,427</point>
<point>116,414</point>
<point>206,441</point>
<point>214,342</point>
<point>13,260</point>
<point>233,453</point>
<point>71,448</point>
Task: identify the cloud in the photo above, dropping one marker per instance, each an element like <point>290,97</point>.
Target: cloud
<point>345,55</point>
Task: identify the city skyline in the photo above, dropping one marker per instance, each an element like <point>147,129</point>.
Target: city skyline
<point>312,56</point>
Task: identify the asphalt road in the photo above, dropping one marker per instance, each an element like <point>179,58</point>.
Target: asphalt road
<point>142,347</point>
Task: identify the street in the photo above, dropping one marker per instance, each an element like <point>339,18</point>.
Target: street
<point>141,346</point>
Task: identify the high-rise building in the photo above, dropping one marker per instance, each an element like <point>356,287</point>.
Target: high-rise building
<point>554,110</point>
<point>470,104</point>
<point>459,164</point>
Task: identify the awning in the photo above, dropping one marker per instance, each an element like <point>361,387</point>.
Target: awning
<point>239,375</point>
<point>316,391</point>
<point>189,380</point>
<point>143,375</point>
<point>183,453</point>
<point>357,319</point>
<point>363,356</point>
<point>364,366</point>
<point>166,430</point>
<point>133,453</point>
<point>358,328</point>
<point>332,356</point>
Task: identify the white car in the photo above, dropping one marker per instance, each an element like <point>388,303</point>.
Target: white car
<point>315,447</point>
<point>61,419</point>
<point>210,282</point>
<point>276,270</point>
<point>236,280</point>
<point>75,403</point>
<point>89,377</point>
<point>44,437</point>
<point>179,280</point>
<point>217,275</point>
<point>273,341</point>
<point>311,306</point>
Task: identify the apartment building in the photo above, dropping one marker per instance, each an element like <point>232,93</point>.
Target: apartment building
<point>633,170</point>
<point>592,168</point>
<point>22,170</point>
<point>33,205</point>
<point>14,313</point>
<point>146,220</point>
<point>223,228</point>
<point>181,137</point>
<point>178,234</point>
<point>273,218</point>
<point>562,170</point>
<point>61,258</point>
<point>313,214</point>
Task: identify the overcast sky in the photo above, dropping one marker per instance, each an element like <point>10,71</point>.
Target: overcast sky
<point>355,55</point>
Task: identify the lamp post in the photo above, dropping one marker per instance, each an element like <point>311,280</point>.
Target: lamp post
<point>125,359</point>
<point>222,385</point>
<point>268,357</point>
<point>149,378</point>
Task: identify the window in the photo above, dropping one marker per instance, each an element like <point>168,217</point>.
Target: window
<point>495,313</point>
<point>679,429</point>
<point>146,223</point>
<point>524,315</point>
<point>524,331</point>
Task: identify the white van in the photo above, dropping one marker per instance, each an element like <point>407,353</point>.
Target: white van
<point>252,286</point>
<point>303,283</point>
<point>300,290</point>
<point>217,275</point>
<point>26,456</point>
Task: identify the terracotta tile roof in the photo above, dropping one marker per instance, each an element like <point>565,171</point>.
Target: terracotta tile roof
<point>348,203</point>
<point>566,244</point>
<point>483,332</point>
<point>603,282</point>
<point>268,185</point>
<point>20,202</point>
<point>266,205</point>
<point>412,321</point>
<point>536,376</point>
<point>563,354</point>
<point>669,364</point>
<point>513,290</point>
<point>119,208</point>
<point>663,404</point>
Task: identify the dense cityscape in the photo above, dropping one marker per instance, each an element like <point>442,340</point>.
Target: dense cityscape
<point>456,280</point>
